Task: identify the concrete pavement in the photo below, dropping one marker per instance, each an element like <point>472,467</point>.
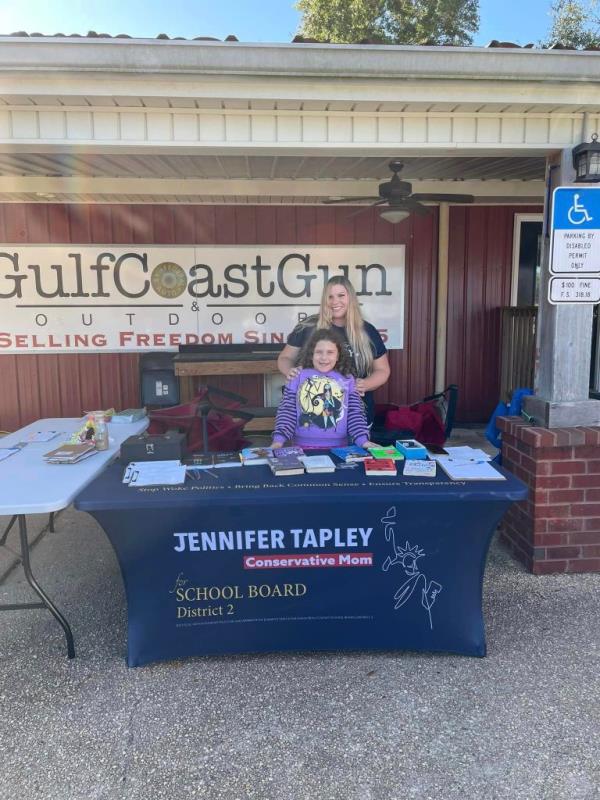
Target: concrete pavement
<point>523,723</point>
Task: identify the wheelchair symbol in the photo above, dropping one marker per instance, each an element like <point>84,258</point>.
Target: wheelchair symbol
<point>578,214</point>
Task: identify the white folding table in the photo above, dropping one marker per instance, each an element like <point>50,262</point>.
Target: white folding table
<point>29,485</point>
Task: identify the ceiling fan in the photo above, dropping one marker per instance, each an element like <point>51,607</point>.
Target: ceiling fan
<point>399,198</point>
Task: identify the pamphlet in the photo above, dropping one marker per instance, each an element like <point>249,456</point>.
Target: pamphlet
<point>5,452</point>
<point>154,473</point>
<point>468,470</point>
<point>419,468</point>
<point>466,452</point>
<point>42,436</point>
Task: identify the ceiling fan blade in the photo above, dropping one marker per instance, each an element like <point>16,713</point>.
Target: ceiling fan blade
<point>366,208</point>
<point>444,198</point>
<point>348,199</point>
<point>411,205</point>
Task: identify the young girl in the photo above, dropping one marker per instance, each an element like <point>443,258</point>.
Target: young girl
<point>321,407</point>
<point>340,310</point>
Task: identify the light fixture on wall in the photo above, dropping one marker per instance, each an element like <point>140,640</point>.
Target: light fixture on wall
<point>394,215</point>
<point>586,161</point>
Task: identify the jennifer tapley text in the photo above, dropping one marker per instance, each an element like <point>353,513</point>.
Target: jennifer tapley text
<point>272,539</point>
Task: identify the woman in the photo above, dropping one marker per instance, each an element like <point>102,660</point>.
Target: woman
<point>340,310</point>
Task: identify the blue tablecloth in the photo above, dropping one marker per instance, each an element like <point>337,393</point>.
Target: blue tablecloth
<point>245,562</point>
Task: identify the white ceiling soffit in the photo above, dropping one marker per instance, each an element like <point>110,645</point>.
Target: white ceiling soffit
<point>143,177</point>
<point>341,169</point>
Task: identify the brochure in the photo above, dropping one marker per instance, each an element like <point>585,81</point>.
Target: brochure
<point>419,468</point>
<point>463,470</point>
<point>154,473</point>
<point>42,436</point>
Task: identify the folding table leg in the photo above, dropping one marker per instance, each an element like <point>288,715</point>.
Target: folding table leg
<point>47,603</point>
<point>8,529</point>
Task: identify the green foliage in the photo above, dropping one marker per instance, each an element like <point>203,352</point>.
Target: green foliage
<point>575,23</point>
<point>390,21</point>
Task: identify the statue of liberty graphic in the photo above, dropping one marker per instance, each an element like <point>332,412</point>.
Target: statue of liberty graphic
<point>407,557</point>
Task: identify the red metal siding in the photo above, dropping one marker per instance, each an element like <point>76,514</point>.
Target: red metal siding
<point>480,264</point>
<point>35,386</point>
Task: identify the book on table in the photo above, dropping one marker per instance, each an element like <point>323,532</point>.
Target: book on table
<point>283,452</point>
<point>352,453</point>
<point>198,461</point>
<point>229,459</point>
<point>286,465</point>
<point>314,464</point>
<point>380,466</point>
<point>386,452</point>
<point>70,453</point>
<point>128,415</point>
<point>212,460</point>
<point>251,456</point>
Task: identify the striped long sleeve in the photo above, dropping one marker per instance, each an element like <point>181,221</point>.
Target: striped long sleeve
<point>285,422</point>
<point>358,429</point>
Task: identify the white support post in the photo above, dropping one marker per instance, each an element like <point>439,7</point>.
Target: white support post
<point>442,298</point>
<point>564,337</point>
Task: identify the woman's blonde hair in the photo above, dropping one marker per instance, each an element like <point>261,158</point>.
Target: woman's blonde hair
<point>358,339</point>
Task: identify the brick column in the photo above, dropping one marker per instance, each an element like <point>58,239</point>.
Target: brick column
<point>557,529</point>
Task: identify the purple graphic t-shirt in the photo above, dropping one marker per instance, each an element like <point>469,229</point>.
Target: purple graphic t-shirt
<point>321,410</point>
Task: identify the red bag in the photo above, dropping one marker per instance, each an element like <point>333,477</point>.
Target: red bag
<point>432,430</point>
<point>403,419</point>
<point>422,419</point>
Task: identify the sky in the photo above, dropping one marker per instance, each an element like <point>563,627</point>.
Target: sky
<point>519,21</point>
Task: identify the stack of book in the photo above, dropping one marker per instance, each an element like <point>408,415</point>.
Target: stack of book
<point>70,453</point>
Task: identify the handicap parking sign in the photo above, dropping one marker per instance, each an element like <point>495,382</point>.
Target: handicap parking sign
<point>575,231</point>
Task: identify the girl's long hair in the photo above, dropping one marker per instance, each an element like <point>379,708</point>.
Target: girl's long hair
<point>357,336</point>
<point>343,365</point>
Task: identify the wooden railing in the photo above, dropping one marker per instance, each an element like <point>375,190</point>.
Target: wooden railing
<point>518,349</point>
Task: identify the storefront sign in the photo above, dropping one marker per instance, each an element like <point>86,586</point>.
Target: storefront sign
<point>83,299</point>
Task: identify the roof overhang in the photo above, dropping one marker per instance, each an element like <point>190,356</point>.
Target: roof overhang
<point>66,102</point>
